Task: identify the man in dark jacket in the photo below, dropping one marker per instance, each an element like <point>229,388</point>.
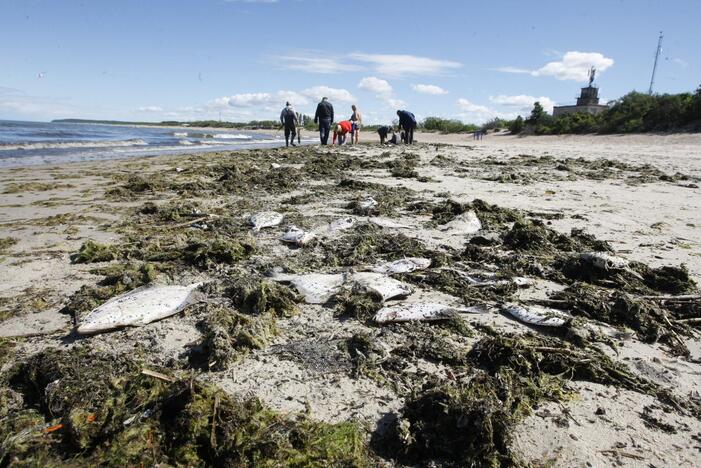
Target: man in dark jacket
<point>407,121</point>
<point>288,118</point>
<point>324,117</point>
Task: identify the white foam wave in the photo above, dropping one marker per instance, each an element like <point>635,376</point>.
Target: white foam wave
<point>232,136</point>
<point>186,142</point>
<point>72,144</point>
<point>180,134</point>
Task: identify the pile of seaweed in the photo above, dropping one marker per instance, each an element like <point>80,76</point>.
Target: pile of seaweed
<point>527,169</point>
<point>78,406</point>
<point>468,418</point>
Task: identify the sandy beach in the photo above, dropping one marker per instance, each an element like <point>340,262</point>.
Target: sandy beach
<point>74,235</point>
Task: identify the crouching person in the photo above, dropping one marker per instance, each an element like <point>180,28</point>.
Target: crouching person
<point>341,130</point>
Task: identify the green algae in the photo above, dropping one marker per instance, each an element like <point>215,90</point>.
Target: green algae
<point>228,335</point>
<point>259,296</point>
<point>103,410</point>
<point>6,243</point>
<point>93,252</point>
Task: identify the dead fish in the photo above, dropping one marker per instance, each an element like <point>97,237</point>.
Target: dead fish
<point>137,307</point>
<point>536,315</point>
<point>385,287</point>
<point>465,223</point>
<point>265,219</point>
<point>426,311</point>
<point>297,236</point>
<point>387,223</point>
<point>405,265</point>
<point>342,224</point>
<point>367,203</point>
<point>275,166</point>
<point>315,288</point>
<point>604,261</point>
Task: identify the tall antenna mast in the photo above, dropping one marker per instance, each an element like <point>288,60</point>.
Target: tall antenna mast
<point>654,67</point>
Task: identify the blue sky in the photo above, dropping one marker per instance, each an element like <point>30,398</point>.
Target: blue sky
<point>155,60</point>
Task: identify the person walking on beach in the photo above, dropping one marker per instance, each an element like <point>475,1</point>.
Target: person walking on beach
<point>407,121</point>
<point>357,121</point>
<point>288,118</point>
<point>324,117</point>
<point>341,130</point>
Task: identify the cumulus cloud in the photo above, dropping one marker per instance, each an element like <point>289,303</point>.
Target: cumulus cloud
<point>429,89</point>
<point>263,100</point>
<point>375,85</point>
<point>477,113</point>
<point>398,65</point>
<point>334,94</point>
<point>574,66</point>
<point>522,102</point>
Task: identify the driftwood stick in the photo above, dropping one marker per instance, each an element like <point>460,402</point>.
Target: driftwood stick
<point>157,375</point>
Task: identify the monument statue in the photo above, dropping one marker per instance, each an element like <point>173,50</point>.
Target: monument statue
<point>592,74</point>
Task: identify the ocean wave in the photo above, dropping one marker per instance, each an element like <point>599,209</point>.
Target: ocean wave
<point>185,142</point>
<point>180,134</point>
<point>72,144</point>
<point>232,136</point>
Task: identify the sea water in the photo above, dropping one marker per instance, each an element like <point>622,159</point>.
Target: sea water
<point>33,143</point>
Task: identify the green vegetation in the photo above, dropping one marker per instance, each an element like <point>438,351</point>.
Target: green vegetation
<point>633,113</point>
<point>436,124</point>
<point>81,407</point>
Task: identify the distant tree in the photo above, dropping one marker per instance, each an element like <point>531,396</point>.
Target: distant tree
<point>538,115</point>
<point>516,125</point>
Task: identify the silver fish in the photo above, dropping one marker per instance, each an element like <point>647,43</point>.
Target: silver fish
<point>387,223</point>
<point>387,288</point>
<point>465,223</point>
<point>405,265</point>
<point>604,261</point>
<point>315,288</point>
<point>265,219</point>
<point>297,236</point>
<point>536,315</point>
<point>342,224</point>
<point>424,311</point>
<point>367,203</point>
<point>137,307</point>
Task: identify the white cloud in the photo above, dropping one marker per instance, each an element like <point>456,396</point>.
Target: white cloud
<point>375,85</point>
<point>268,101</point>
<point>395,103</point>
<point>429,89</point>
<point>397,65</point>
<point>314,64</point>
<point>574,66</point>
<point>477,113</point>
<point>523,102</point>
<point>334,94</point>
<point>149,109</point>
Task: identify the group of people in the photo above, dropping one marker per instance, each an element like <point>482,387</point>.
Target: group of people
<point>292,121</point>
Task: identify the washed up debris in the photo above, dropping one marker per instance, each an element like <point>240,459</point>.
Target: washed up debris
<point>315,288</point>
<point>604,261</point>
<point>265,219</point>
<point>137,308</point>
<point>423,311</point>
<point>387,223</point>
<point>405,265</point>
<point>464,223</point>
<point>275,166</point>
<point>297,236</point>
<point>366,204</point>
<point>342,224</point>
<point>537,315</point>
<point>381,285</point>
